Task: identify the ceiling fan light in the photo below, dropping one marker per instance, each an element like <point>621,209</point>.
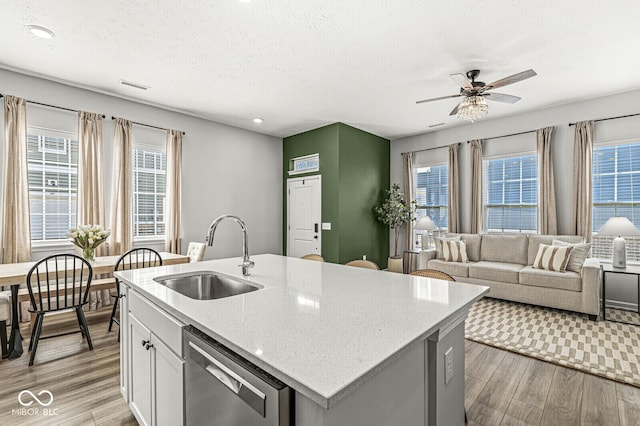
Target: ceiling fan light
<point>472,108</point>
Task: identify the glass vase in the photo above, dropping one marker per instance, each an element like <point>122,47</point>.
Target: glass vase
<point>89,254</point>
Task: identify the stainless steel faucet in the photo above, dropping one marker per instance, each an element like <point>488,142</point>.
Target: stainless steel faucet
<point>246,262</point>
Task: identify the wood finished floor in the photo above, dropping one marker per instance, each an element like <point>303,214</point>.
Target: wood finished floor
<point>501,388</point>
<point>504,388</point>
<point>84,383</point>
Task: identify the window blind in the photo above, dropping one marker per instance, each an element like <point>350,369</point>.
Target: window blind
<point>510,194</point>
<point>432,196</point>
<point>616,192</point>
<point>149,188</point>
<point>52,171</point>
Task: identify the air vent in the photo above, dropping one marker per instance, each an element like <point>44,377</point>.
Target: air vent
<point>135,85</point>
<point>436,125</point>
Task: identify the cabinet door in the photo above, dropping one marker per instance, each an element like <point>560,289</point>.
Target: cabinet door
<point>169,373</point>
<point>124,342</point>
<point>140,370</point>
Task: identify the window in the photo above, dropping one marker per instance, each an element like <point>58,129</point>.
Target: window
<point>432,196</point>
<point>149,178</point>
<point>52,170</point>
<point>616,192</point>
<point>511,194</point>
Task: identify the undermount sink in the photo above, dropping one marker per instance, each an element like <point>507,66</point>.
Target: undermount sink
<point>206,285</point>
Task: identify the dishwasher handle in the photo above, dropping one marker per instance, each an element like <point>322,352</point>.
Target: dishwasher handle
<point>236,384</point>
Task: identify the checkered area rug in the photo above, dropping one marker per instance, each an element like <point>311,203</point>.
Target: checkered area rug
<point>604,348</point>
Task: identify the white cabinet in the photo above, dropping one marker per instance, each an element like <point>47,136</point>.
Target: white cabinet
<point>155,367</point>
<point>124,342</point>
<point>141,370</point>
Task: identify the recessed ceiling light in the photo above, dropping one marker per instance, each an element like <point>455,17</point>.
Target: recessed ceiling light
<point>41,32</point>
<point>258,120</point>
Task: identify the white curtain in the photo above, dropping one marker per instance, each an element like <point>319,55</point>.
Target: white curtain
<point>476,187</point>
<point>582,178</point>
<point>122,191</point>
<point>407,164</point>
<point>173,203</point>
<point>90,206</point>
<point>547,215</point>
<point>16,223</point>
<point>454,189</point>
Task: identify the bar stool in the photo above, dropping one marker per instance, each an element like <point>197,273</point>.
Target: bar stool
<point>4,317</point>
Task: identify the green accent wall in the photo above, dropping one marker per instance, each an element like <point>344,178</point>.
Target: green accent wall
<point>354,166</point>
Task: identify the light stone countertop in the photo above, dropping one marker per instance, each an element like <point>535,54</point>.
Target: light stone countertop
<point>321,328</point>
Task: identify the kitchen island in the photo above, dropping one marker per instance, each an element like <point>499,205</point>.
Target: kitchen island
<point>357,346</point>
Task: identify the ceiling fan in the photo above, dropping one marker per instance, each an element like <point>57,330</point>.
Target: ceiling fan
<point>475,93</point>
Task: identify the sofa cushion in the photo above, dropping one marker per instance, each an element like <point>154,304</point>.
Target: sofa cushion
<point>472,241</point>
<point>439,254</point>
<point>550,279</point>
<point>552,258</point>
<point>454,251</point>
<point>578,255</point>
<point>536,240</point>
<point>504,248</point>
<point>496,271</point>
<point>457,269</point>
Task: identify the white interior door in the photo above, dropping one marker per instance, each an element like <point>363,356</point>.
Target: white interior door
<point>304,215</point>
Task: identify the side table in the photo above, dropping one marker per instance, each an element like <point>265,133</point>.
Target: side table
<point>610,269</point>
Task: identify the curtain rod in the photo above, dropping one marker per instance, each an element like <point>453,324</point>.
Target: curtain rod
<point>510,134</point>
<point>50,106</point>
<point>147,125</point>
<point>429,149</point>
<point>610,118</point>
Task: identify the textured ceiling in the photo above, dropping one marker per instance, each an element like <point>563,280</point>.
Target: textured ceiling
<point>301,64</point>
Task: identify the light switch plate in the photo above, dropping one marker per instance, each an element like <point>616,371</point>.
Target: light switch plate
<point>326,226</point>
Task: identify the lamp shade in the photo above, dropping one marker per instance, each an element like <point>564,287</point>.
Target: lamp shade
<point>425,224</point>
<point>618,226</point>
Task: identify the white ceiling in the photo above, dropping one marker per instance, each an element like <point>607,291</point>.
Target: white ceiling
<point>301,64</point>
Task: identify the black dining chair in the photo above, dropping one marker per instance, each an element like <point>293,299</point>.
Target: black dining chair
<point>133,259</point>
<point>56,283</point>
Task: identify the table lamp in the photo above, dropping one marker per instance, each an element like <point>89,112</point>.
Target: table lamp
<point>425,224</point>
<point>617,227</point>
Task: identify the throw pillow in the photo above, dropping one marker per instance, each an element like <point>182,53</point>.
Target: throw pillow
<point>578,255</point>
<point>552,258</point>
<point>454,251</point>
<point>439,254</point>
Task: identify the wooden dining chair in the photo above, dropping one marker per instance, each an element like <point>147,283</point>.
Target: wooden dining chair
<point>133,259</point>
<point>4,317</point>
<point>432,273</point>
<point>57,283</point>
<point>313,256</point>
<point>363,264</point>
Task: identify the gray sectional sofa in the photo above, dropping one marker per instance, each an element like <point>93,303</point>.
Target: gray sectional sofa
<point>504,263</point>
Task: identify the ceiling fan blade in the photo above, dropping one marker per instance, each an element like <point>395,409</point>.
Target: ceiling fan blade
<point>437,99</point>
<point>511,79</point>
<point>455,110</point>
<point>461,80</point>
<point>501,97</point>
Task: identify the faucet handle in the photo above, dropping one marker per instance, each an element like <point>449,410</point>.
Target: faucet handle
<point>248,264</point>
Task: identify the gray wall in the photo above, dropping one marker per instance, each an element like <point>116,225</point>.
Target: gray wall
<point>225,169</point>
<point>559,116</point>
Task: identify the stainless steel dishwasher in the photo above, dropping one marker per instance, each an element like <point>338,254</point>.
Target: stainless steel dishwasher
<point>224,389</point>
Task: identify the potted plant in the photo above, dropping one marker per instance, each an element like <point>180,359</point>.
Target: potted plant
<point>394,212</point>
<point>88,238</point>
